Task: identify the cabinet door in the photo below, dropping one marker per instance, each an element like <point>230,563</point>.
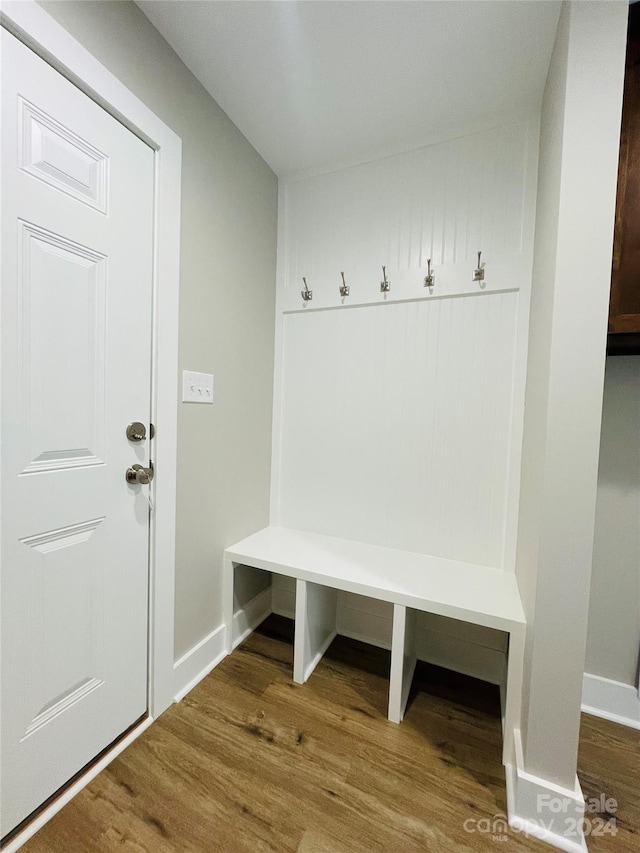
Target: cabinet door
<point>624,311</point>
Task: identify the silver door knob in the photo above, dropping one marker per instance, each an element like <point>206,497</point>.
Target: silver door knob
<point>139,475</point>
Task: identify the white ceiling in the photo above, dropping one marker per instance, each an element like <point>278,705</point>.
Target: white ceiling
<point>313,84</point>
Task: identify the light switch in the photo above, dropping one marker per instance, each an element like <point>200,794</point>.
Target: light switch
<point>197,387</point>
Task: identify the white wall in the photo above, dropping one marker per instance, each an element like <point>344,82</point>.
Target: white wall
<point>572,266</point>
<point>613,636</point>
<point>227,292</point>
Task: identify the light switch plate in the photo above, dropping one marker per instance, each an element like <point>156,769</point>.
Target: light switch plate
<point>197,387</point>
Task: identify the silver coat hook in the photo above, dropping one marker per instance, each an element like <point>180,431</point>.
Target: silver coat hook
<point>385,284</point>
<point>429,279</point>
<point>478,273</point>
<point>344,288</point>
<point>306,293</point>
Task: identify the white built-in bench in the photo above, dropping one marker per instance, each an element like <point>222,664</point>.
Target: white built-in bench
<point>322,565</point>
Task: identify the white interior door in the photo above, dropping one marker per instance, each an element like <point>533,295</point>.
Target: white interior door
<point>77,220</point>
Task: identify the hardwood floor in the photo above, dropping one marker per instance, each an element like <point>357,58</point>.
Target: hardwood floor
<point>250,761</point>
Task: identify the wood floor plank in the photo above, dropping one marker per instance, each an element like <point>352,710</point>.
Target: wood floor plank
<point>250,762</point>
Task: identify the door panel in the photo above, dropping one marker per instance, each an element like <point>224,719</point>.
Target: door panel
<point>62,602</point>
<point>77,222</point>
<point>56,155</point>
<point>61,285</point>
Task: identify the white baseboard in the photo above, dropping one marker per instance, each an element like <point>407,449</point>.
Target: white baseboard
<point>252,614</point>
<point>611,700</point>
<point>69,793</point>
<point>542,809</point>
<point>198,662</point>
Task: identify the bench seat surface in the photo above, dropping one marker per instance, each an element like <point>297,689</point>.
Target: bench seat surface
<point>472,593</point>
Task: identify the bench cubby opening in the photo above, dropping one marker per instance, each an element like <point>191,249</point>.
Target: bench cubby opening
<point>318,612</point>
<point>251,595</point>
<point>315,626</point>
<point>325,570</point>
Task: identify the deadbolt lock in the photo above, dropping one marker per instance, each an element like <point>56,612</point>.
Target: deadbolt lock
<point>139,475</point>
<point>136,431</point>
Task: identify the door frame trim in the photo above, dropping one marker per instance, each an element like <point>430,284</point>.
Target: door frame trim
<point>39,31</point>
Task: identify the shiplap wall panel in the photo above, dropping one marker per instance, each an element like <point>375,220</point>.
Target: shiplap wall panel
<point>444,202</point>
<point>395,424</point>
